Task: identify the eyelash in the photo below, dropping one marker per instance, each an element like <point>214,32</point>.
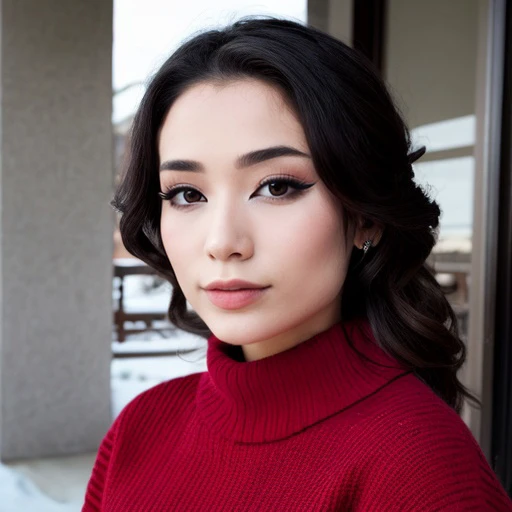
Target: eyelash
<point>298,185</point>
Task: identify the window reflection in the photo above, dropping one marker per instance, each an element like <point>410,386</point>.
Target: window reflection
<point>450,183</point>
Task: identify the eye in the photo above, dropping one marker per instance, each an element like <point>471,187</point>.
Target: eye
<point>281,187</point>
<point>182,196</point>
<point>278,188</point>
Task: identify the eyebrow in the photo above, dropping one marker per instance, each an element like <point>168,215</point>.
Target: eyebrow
<point>242,162</point>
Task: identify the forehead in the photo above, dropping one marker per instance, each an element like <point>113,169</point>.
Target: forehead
<point>240,115</point>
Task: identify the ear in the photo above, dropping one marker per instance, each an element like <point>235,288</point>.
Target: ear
<point>367,230</point>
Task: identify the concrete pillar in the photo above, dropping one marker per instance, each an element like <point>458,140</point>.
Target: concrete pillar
<point>55,225</point>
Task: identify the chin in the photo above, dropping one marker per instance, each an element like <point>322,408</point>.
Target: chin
<point>241,329</point>
<point>253,327</point>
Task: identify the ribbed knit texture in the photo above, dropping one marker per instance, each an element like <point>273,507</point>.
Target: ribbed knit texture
<point>318,427</point>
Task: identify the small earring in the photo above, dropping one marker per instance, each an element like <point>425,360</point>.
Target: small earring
<point>366,246</point>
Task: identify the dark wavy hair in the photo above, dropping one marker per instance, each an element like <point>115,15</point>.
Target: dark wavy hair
<point>361,149</point>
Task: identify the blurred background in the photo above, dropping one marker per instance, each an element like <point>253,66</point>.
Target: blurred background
<point>83,324</point>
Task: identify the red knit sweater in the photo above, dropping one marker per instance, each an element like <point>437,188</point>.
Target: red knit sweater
<point>316,427</point>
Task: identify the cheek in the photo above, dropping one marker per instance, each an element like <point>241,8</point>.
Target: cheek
<point>178,244</point>
<point>312,238</point>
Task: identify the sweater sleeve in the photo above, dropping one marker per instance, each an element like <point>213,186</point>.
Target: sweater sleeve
<point>95,487</point>
<point>427,466</point>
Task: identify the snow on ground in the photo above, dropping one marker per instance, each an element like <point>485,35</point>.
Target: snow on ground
<point>129,377</point>
<point>19,494</point>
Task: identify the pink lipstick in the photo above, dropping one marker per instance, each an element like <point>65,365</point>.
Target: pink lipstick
<point>234,294</point>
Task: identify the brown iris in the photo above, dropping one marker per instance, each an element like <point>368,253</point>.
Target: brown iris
<point>191,196</point>
<point>278,188</point>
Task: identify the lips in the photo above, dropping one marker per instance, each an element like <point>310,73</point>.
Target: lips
<point>233,284</point>
<point>234,294</point>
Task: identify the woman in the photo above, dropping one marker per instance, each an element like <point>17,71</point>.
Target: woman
<point>270,181</point>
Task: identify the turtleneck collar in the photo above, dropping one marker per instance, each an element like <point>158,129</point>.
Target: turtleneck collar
<point>280,395</point>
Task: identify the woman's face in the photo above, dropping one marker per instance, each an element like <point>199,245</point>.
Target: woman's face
<point>245,203</point>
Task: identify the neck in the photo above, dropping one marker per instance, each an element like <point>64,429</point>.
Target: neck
<point>274,397</point>
<point>291,337</point>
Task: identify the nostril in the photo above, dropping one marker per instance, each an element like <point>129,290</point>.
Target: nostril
<point>212,256</point>
<point>228,245</point>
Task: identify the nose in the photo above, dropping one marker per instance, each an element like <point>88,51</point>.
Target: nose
<point>228,235</point>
